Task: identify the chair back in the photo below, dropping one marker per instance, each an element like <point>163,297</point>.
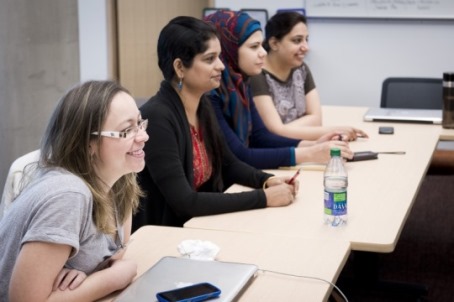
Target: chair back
<point>13,184</point>
<point>412,93</point>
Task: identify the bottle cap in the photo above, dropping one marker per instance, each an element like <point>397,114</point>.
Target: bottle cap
<point>448,77</point>
<point>335,152</point>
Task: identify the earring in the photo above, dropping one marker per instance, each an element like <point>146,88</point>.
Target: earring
<point>180,84</point>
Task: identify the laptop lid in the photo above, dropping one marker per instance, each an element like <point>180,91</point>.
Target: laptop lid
<point>429,116</point>
<point>172,272</point>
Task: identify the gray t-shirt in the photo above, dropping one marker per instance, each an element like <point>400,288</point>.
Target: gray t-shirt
<point>55,207</point>
<point>289,96</point>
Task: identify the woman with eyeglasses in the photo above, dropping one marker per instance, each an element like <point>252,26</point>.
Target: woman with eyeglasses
<point>62,238</point>
<point>188,163</point>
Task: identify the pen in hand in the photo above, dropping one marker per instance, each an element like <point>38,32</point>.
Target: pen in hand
<point>292,180</point>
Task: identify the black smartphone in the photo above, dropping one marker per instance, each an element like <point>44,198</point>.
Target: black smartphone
<point>193,293</point>
<point>363,155</point>
<point>385,130</point>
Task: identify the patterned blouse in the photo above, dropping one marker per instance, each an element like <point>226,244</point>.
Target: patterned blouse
<point>289,96</point>
<point>201,163</point>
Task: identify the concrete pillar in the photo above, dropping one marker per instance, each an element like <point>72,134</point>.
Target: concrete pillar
<point>39,61</point>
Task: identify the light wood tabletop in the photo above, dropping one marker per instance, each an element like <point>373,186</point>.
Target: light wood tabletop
<point>281,254</point>
<point>380,192</point>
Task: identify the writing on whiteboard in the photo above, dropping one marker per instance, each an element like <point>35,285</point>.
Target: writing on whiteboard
<point>398,5</point>
<point>381,8</point>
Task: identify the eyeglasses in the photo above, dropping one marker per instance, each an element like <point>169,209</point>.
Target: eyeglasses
<point>128,133</point>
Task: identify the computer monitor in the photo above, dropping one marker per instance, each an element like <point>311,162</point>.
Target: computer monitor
<point>302,11</point>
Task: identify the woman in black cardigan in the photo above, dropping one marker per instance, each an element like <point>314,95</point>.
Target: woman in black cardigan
<point>188,163</point>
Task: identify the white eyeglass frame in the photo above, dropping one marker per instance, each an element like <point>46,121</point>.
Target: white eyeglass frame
<point>143,123</point>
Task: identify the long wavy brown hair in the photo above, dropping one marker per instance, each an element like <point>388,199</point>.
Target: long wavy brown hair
<point>81,111</point>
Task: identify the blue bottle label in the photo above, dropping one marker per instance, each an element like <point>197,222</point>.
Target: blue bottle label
<point>336,203</point>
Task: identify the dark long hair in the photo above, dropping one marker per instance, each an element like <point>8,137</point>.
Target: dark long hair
<point>280,25</point>
<point>183,38</point>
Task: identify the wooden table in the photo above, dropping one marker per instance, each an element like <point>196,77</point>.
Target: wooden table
<point>380,193</point>
<point>303,257</point>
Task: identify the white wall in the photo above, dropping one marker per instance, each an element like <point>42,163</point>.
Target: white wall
<point>271,5</point>
<point>93,40</point>
<point>350,58</point>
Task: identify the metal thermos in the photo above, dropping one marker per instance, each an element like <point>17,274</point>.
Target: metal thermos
<point>448,100</point>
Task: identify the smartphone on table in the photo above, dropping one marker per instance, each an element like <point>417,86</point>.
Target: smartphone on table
<point>191,293</point>
<point>386,130</point>
<point>363,155</point>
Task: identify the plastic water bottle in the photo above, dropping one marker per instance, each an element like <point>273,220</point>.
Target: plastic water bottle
<point>335,182</point>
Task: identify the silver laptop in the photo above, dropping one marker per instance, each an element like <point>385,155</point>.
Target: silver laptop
<point>429,116</point>
<point>172,272</point>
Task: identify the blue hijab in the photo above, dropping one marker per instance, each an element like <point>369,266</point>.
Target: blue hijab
<point>234,29</point>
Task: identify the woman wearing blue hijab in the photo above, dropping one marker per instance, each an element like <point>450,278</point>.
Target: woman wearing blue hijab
<point>247,136</point>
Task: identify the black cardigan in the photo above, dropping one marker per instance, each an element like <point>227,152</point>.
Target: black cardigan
<point>167,179</point>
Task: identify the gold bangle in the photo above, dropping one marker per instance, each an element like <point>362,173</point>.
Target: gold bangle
<point>266,181</point>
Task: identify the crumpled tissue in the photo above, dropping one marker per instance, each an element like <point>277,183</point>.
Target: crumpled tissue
<point>198,249</point>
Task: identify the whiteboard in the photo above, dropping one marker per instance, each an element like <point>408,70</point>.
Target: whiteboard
<point>413,9</point>
<point>350,58</point>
